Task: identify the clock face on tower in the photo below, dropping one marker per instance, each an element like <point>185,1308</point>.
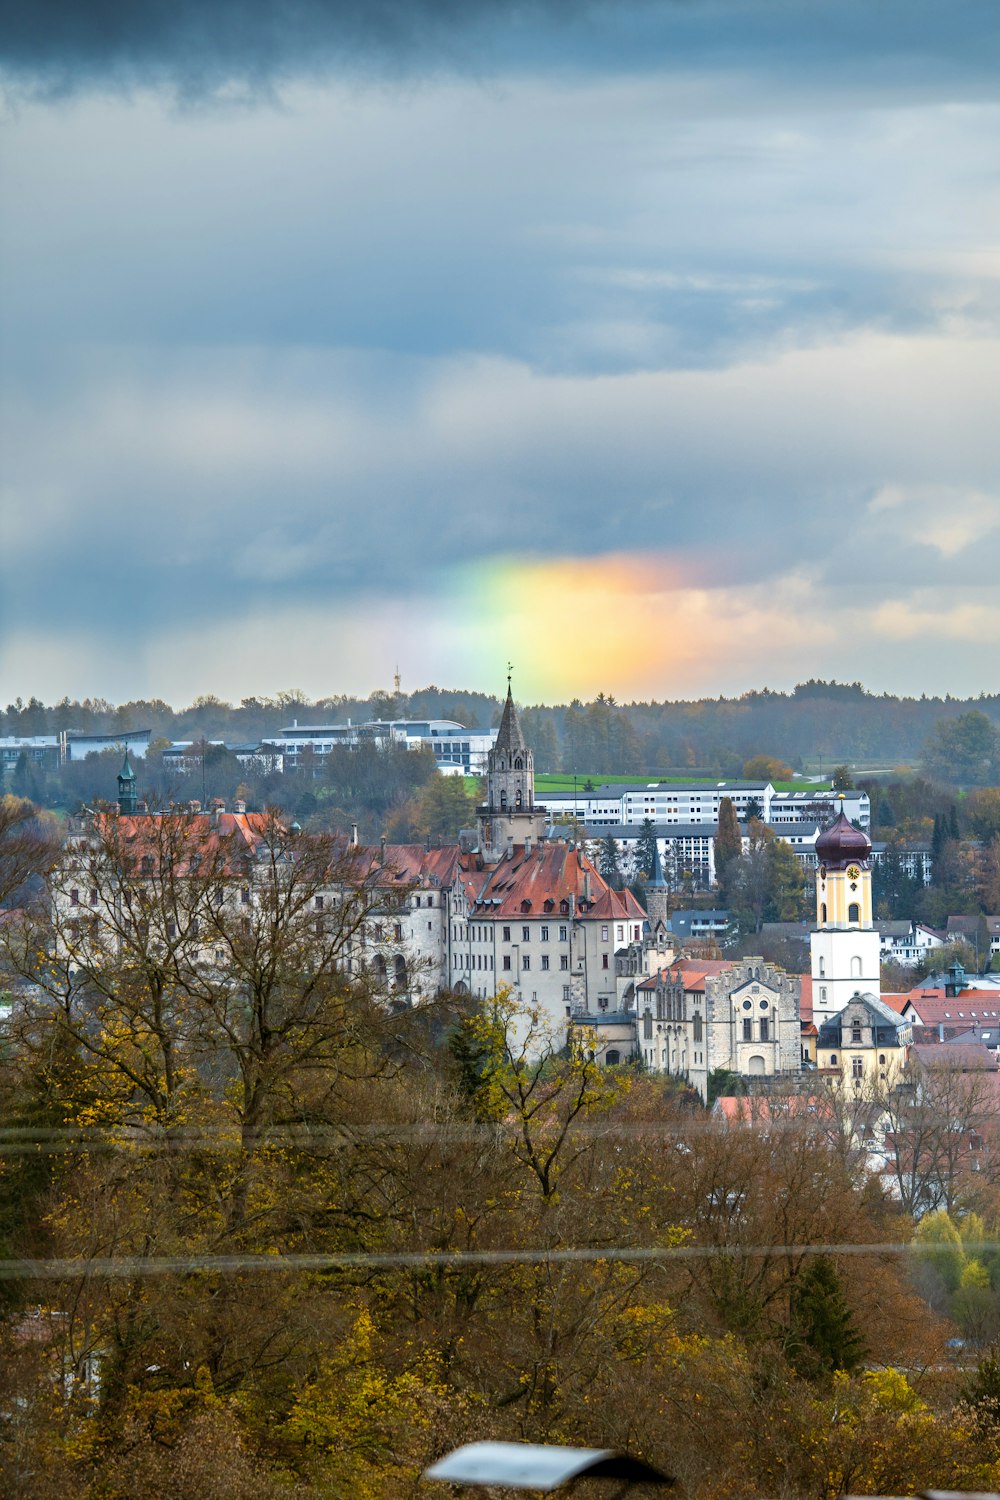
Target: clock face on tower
<point>853,872</point>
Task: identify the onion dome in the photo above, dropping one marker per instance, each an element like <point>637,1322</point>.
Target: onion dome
<point>842,844</point>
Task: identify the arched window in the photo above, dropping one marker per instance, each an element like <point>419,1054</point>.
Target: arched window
<point>854,912</point>
<point>822,913</point>
<point>517,797</point>
<point>517,763</point>
<point>822,968</point>
<point>400,967</point>
<point>611,1058</point>
<point>503,801</point>
<point>756,1064</point>
<point>855,967</point>
<point>378,964</point>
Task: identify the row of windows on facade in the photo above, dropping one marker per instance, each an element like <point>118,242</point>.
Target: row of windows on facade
<point>858,1064</point>
<point>485,961</point>
<point>853,912</point>
<point>855,970</point>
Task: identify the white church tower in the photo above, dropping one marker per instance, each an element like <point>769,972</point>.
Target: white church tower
<point>845,949</point>
<point>509,817</point>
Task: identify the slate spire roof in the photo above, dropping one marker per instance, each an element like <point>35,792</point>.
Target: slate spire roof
<point>126,773</point>
<point>509,736</point>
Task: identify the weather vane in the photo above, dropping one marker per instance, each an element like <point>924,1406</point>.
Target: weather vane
<point>510,668</point>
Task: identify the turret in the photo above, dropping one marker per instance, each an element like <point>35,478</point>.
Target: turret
<point>127,801</point>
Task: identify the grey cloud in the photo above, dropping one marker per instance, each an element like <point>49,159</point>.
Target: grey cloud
<point>201,45</point>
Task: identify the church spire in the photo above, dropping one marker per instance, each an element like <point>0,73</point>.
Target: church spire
<point>509,817</point>
<point>126,786</point>
<point>509,736</point>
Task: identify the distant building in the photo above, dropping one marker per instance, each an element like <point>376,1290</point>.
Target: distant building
<point>456,749</point>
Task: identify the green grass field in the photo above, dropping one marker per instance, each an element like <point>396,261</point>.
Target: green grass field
<point>559,782</point>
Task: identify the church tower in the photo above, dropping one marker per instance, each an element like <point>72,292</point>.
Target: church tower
<point>127,801</point>
<point>844,947</point>
<point>509,816</point>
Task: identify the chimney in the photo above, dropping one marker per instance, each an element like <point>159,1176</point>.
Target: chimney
<point>586,886</point>
<point>239,807</point>
<point>527,843</point>
<point>382,846</point>
<point>354,834</point>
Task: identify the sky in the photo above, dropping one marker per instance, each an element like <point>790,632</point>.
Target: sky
<point>653,346</point>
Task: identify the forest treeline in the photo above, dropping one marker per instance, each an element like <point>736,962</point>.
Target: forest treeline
<point>829,720</point>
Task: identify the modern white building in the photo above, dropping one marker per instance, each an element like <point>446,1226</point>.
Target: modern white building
<point>457,749</point>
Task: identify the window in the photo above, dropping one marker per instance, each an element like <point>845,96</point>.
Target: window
<point>822,968</point>
<point>696,1027</point>
<point>562,934</point>
<point>881,1058</point>
<point>604,960</point>
<point>525,934</point>
<point>397,931</point>
<point>620,931</point>
<point>319,903</point>
<point>564,960</point>
<point>857,1067</point>
<point>93,898</point>
<point>855,967</point>
<point>833,1059</point>
<point>545,934</point>
<point>747,1029</point>
<point>647,1025</point>
<point>854,912</point>
<point>245,896</point>
<point>822,913</point>
<point>604,934</point>
<point>74,897</point>
<point>506,934</point>
<point>856,1032</point>
<point>764,1029</point>
<point>526,961</point>
<point>545,960</point>
<point>567,993</point>
<point>822,992</point>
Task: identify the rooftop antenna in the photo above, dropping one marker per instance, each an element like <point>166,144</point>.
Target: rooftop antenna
<point>397,680</point>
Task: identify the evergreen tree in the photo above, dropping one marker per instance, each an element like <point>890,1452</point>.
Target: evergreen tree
<point>728,840</point>
<point>645,849</point>
<point>822,1336</point>
<point>610,862</point>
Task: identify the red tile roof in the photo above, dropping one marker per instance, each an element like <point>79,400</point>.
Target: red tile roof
<point>537,883</point>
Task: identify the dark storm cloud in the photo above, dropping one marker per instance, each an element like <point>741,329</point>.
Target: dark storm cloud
<point>200,45</point>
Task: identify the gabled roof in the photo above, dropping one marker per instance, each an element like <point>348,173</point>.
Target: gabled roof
<point>537,882</point>
<point>933,1006</point>
<point>953,1056</point>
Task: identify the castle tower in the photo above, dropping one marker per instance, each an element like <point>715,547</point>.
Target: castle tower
<point>127,801</point>
<point>844,947</point>
<point>509,815</point>
<point>657,890</point>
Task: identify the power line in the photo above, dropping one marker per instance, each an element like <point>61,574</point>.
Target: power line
<point>127,1267</point>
